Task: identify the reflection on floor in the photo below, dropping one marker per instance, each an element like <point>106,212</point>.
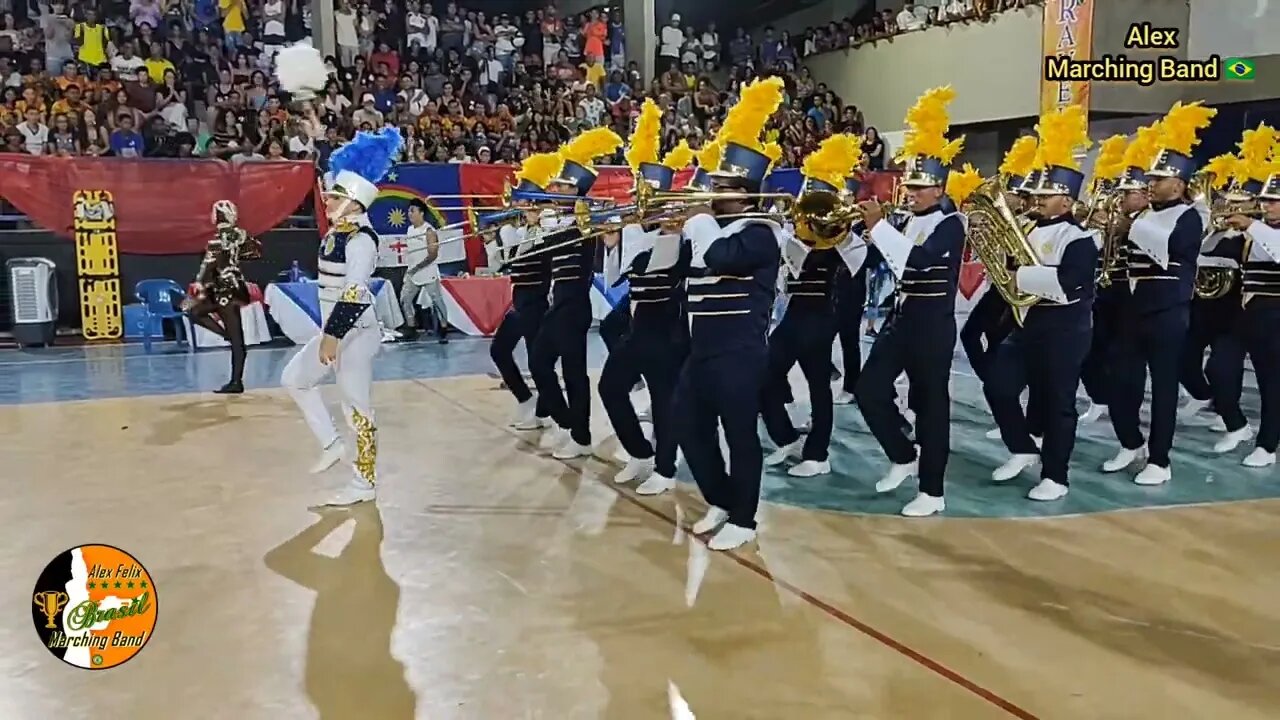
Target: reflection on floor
<point>493,582</point>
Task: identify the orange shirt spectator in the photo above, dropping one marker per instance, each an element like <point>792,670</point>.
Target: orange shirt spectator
<point>595,33</point>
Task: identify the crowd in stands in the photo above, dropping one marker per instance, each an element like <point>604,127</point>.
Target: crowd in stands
<point>193,78</point>
<point>870,25</point>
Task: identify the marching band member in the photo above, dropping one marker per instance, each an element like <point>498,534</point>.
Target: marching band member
<point>1261,314</point>
<point>530,284</point>
<point>733,273</point>
<point>1048,350</point>
<point>654,263</point>
<point>991,319</point>
<point>809,326</point>
<point>221,290</point>
<point>1094,373</point>
<point>351,336</point>
<point>851,305</point>
<point>1163,244</point>
<point>919,338</point>
<point>563,335</point>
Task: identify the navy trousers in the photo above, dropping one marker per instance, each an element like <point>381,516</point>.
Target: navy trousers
<point>989,323</point>
<point>804,337</point>
<point>519,323</point>
<point>723,390</point>
<point>615,326</point>
<point>1148,342</point>
<point>1258,337</point>
<point>655,355</point>
<point>1096,371</point>
<point>1209,320</point>
<point>563,337</point>
<point>1048,363</point>
<point>921,344</point>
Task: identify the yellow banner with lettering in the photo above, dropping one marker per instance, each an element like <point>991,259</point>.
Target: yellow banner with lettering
<point>1068,31</point>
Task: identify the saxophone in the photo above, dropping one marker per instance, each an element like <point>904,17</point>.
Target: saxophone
<point>1000,242</point>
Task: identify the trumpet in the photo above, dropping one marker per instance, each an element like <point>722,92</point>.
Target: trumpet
<point>822,218</point>
<point>1232,202</point>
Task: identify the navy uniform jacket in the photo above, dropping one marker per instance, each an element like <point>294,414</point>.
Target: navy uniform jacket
<point>813,289</point>
<point>1162,250</point>
<point>1064,280</point>
<point>572,267</point>
<point>1261,271</point>
<point>732,284</point>
<point>530,274</point>
<point>925,256</point>
<point>658,296</point>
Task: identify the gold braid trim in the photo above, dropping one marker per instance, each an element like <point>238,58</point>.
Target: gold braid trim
<point>366,446</point>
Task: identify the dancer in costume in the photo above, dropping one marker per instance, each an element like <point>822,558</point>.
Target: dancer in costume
<point>350,338</point>
<point>220,288</point>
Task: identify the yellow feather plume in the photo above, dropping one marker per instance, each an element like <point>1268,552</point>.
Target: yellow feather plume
<point>834,159</point>
<point>960,185</point>
<point>773,151</point>
<point>709,155</point>
<point>539,169</point>
<point>1022,154</point>
<point>647,136</point>
<point>745,121</point>
<point>1256,147</point>
<point>1063,134</point>
<point>1179,128</point>
<point>1110,162</point>
<point>590,145</point>
<point>927,124</point>
<point>1222,168</point>
<point>679,157</point>
<point>1143,149</point>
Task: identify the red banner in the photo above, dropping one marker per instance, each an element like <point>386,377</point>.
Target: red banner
<point>163,206</point>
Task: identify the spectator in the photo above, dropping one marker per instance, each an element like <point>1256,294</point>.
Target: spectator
<point>671,43</point>
<point>90,39</point>
<point>617,41</point>
<point>873,149</point>
<point>35,134</point>
<point>594,34</point>
<point>125,141</point>
<point>908,21</point>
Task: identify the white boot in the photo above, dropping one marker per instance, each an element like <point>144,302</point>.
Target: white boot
<point>842,397</point>
<point>731,537</point>
<point>353,493</point>
<point>526,412</point>
<point>655,484</point>
<point>896,476</point>
<point>1048,490</point>
<point>1123,459</point>
<point>810,468</point>
<point>570,450</point>
<point>790,451</point>
<point>714,518</point>
<point>1232,440</point>
<point>1093,413</point>
<point>1014,466</point>
<point>552,438</point>
<point>1153,475</point>
<point>1259,458</point>
<point>636,468</point>
<point>328,457</point>
<point>924,506</point>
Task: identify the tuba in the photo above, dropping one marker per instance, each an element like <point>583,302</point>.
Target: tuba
<point>1000,242</point>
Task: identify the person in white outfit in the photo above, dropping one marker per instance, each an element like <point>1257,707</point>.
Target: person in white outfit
<point>351,337</point>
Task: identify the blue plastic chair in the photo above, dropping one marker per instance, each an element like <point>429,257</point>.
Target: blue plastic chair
<point>159,298</point>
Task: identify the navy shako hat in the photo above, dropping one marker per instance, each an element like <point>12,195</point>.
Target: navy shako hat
<point>1014,183</point>
<point>852,185</point>
<point>701,180</point>
<point>924,171</point>
<point>659,176</point>
<point>816,185</point>
<point>1029,183</point>
<point>741,167</point>
<point>1252,187</point>
<point>528,186</point>
<point>1060,180</point>
<point>1271,188</point>
<point>578,175</point>
<point>1172,164</point>
<point>1133,178</point>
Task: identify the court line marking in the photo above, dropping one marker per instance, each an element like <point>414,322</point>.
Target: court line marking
<point>934,666</point>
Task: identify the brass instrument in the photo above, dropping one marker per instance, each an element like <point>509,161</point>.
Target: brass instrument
<point>1100,214</point>
<point>1214,281</point>
<point>999,240</point>
<point>822,219</point>
<point>1232,202</point>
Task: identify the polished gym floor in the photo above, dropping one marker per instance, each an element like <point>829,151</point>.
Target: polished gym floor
<point>492,582</point>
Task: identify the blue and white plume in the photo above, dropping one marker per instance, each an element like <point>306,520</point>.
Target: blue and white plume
<point>357,167</point>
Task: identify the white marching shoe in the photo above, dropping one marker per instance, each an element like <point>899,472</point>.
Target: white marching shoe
<point>533,423</point>
<point>842,397</point>
<point>1048,490</point>
<point>328,457</point>
<point>1123,459</point>
<point>1092,414</point>
<point>353,493</point>
<point>1218,425</point>
<point>655,484</point>
<point>993,434</point>
<point>1153,475</point>
<point>1014,466</point>
<point>1259,458</point>
<point>924,506</point>
<point>731,537</point>
<point>636,468</point>
<point>526,412</point>
<point>553,437</point>
<point>1193,408</point>
<point>570,450</point>
<point>787,452</point>
<point>810,468</point>
<point>1232,440</point>
<point>897,475</point>
<point>714,518</point>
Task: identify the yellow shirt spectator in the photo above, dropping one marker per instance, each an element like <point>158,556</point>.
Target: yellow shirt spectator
<point>232,15</point>
<point>93,43</point>
<point>156,68</point>
<point>594,72</point>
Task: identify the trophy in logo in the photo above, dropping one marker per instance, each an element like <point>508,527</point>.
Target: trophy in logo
<point>50,603</point>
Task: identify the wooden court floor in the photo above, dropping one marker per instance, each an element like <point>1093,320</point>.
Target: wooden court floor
<point>494,583</point>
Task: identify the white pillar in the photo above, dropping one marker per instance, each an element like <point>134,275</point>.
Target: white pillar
<point>323,34</point>
<point>642,42</point>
